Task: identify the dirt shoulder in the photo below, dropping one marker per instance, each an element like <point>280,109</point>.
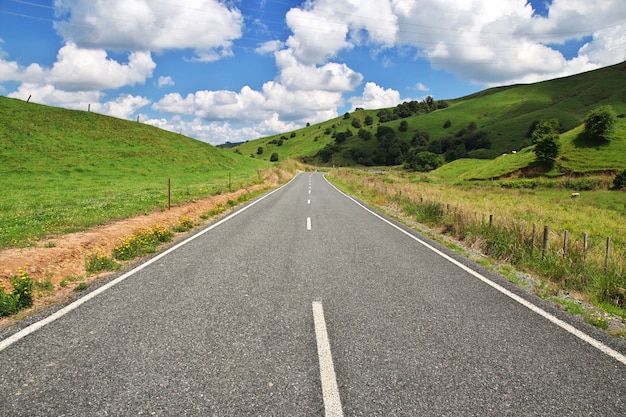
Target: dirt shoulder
<point>58,258</point>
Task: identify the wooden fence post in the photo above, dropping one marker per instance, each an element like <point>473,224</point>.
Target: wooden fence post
<point>534,238</point>
<point>608,252</point>
<point>585,245</point>
<point>565,236</point>
<point>544,248</point>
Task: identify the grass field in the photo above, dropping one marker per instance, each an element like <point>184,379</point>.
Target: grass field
<point>64,170</point>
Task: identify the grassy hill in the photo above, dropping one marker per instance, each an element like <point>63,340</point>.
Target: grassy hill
<point>64,170</point>
<point>504,115</point>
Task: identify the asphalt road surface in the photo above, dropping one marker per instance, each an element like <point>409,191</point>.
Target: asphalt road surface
<point>305,303</point>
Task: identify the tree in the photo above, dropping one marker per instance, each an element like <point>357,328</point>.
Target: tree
<point>599,124</point>
<point>427,161</point>
<point>369,120</point>
<point>274,157</point>
<point>404,126</point>
<point>259,150</point>
<point>546,140</point>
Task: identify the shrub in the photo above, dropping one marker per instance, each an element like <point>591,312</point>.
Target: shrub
<point>619,183</point>
<point>141,242</point>
<point>98,262</point>
<point>274,157</point>
<point>599,124</point>
<point>184,225</point>
<point>21,296</point>
<point>427,161</point>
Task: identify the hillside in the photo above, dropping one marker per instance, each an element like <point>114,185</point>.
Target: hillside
<point>64,170</point>
<point>482,125</point>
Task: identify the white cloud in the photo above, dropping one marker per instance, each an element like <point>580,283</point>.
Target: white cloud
<point>421,87</point>
<point>322,28</point>
<point>206,26</point>
<point>79,69</point>
<point>376,97</point>
<point>216,133</point>
<point>122,107</point>
<point>165,81</point>
<point>496,43</point>
<point>269,47</point>
<point>330,77</point>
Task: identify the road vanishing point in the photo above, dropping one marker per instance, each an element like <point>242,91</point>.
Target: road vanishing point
<point>305,302</point>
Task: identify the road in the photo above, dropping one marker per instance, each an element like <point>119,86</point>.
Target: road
<point>305,303</point>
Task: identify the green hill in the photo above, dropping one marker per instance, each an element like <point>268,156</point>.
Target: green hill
<point>64,170</point>
<point>484,125</point>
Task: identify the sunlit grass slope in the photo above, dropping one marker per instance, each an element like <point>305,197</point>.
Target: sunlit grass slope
<point>64,170</point>
<point>505,114</point>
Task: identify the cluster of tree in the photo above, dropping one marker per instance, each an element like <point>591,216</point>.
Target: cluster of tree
<point>456,146</point>
<point>410,108</point>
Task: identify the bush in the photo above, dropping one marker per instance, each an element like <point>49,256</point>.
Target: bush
<point>427,161</point>
<point>274,157</point>
<point>599,124</point>
<point>619,183</point>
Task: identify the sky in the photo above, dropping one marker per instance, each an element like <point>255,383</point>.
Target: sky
<point>236,70</point>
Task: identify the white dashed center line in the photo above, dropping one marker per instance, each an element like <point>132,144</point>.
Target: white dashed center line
<point>308,223</point>
<point>330,391</point>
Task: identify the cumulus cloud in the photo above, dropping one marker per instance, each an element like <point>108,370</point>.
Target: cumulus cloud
<point>206,26</point>
<point>217,133</point>
<point>376,97</point>
<point>329,77</point>
<point>122,107</point>
<point>501,42</point>
<point>165,81</point>
<point>79,69</point>
<point>324,27</point>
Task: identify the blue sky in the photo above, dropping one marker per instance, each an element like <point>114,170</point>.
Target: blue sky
<point>241,69</point>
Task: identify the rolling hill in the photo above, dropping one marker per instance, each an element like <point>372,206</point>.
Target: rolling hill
<point>503,117</point>
<point>64,170</point>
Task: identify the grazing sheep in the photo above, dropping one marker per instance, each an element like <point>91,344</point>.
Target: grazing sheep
<point>575,195</point>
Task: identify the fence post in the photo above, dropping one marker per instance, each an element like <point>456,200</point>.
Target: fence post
<point>534,238</point>
<point>565,236</point>
<point>490,220</point>
<point>585,245</point>
<point>608,252</point>
<point>544,248</point>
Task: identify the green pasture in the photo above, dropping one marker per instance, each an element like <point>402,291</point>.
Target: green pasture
<point>63,170</point>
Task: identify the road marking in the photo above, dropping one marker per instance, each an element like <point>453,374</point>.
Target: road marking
<point>309,191</point>
<point>5,343</point>
<point>308,201</point>
<point>555,320</point>
<point>330,391</point>
<point>308,223</point>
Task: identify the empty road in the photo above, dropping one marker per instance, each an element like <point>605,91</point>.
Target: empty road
<point>305,303</point>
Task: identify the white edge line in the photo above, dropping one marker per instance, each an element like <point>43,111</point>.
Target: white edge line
<point>330,391</point>
<point>5,343</point>
<point>562,324</point>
